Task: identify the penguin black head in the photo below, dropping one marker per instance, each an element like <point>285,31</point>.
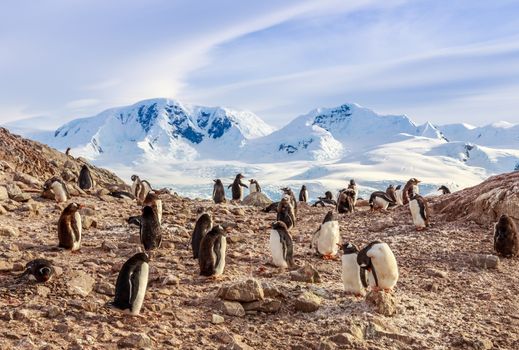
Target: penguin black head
<point>240,176</point>
<point>217,230</point>
<point>398,187</point>
<point>391,186</point>
<point>328,195</point>
<point>352,182</point>
<point>414,181</point>
<point>279,226</point>
<point>218,182</point>
<point>134,177</point>
<point>303,187</point>
<point>45,273</point>
<point>141,257</point>
<point>72,208</point>
<point>330,216</point>
<point>147,211</point>
<point>348,248</point>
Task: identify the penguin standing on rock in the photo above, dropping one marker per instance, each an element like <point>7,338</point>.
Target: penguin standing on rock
<point>58,188</point>
<point>419,211</point>
<point>204,223</point>
<point>506,242</point>
<point>444,189</point>
<point>218,192</point>
<point>254,186</point>
<point>131,284</point>
<point>380,200</point>
<point>303,194</point>
<point>380,263</point>
<point>69,228</point>
<point>326,238</point>
<point>153,200</point>
<point>85,180</point>
<point>41,269</point>
<point>212,252</point>
<point>237,190</point>
<point>281,245</point>
<point>351,271</point>
<point>286,212</point>
<point>150,234</point>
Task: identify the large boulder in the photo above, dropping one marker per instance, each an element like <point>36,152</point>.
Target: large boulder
<point>244,291</point>
<point>257,199</point>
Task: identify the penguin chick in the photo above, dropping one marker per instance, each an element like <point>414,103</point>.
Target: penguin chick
<point>204,223</point>
<point>380,263</point>
<point>351,271</point>
<point>211,257</point>
<point>326,238</point>
<point>131,284</point>
<point>237,191</point>
<point>153,200</point>
<point>281,245</point>
<point>150,234</point>
<point>303,194</point>
<point>286,212</point>
<point>218,192</point>
<point>69,227</point>
<point>419,212</point>
<point>506,242</point>
<point>345,201</point>
<point>41,269</point>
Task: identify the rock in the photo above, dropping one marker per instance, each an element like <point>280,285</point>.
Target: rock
<point>307,302</point>
<point>379,328</point>
<point>267,305</point>
<point>2,210</point>
<point>5,265</point>
<point>326,345</point>
<point>28,180</point>
<point>68,175</point>
<point>22,197</point>
<point>3,193</point>
<point>171,280</point>
<point>71,166</point>
<point>384,303</point>
<point>87,222</point>
<point>238,211</point>
<point>108,246</point>
<point>245,291</point>
<point>135,341</point>
<point>42,291</point>
<point>135,239</point>
<point>271,291</point>
<point>307,274</point>
<point>21,315</point>
<point>217,319</point>
<point>31,206</point>
<point>8,231</point>
<point>232,308</point>
<point>465,342</point>
<point>436,273</point>
<point>13,190</point>
<point>344,339</point>
<point>257,199</point>
<point>80,283</point>
<point>53,312</point>
<point>485,261</point>
<point>105,288</point>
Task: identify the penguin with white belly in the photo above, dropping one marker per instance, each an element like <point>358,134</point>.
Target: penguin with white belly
<point>303,194</point>
<point>380,200</point>
<point>419,212</point>
<point>58,188</point>
<point>380,263</point>
<point>281,245</point>
<point>326,238</point>
<point>211,256</point>
<point>131,284</point>
<point>351,271</point>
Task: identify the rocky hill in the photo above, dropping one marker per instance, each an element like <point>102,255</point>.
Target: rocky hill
<point>452,293</point>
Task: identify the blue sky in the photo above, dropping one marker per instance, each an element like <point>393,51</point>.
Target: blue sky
<point>442,61</point>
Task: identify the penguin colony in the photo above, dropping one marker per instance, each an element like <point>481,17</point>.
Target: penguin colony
<point>374,266</point>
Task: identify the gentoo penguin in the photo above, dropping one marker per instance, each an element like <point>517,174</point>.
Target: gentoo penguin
<point>69,227</point>
<point>351,270</point>
<point>326,238</point>
<point>399,194</point>
<point>140,188</point>
<point>380,200</point>
<point>410,188</point>
<point>444,189</point>
<point>218,192</point>
<point>135,220</point>
<point>237,191</point>
<point>326,201</point>
<point>419,212</point>
<point>85,180</point>
<point>67,152</point>
<point>506,242</point>
<point>271,207</point>
<point>153,200</point>
<point>122,195</point>
<point>58,188</point>
<point>254,186</point>
<point>131,284</point>
<point>151,237</point>
<point>380,263</point>
<point>353,186</point>
<point>345,201</point>
<point>288,191</point>
<point>204,223</point>
<point>286,212</point>
<point>41,269</point>
<point>391,192</point>
<point>303,194</point>
<point>281,245</point>
<point>212,252</point>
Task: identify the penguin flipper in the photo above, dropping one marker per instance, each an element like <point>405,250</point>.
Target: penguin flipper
<point>134,285</point>
<point>362,272</point>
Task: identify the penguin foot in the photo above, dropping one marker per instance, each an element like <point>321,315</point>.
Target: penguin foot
<point>329,257</point>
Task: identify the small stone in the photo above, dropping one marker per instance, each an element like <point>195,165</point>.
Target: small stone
<point>22,197</point>
<point>238,211</point>
<point>171,280</point>
<point>307,302</point>
<point>271,291</point>
<point>62,328</point>
<point>28,180</point>
<point>42,291</point>
<point>8,231</point>
<point>307,274</point>
<point>3,193</point>
<point>80,283</point>
<point>217,319</point>
<point>68,175</point>
<point>383,302</point>
<point>267,305</point>
<point>21,315</point>
<point>87,222</point>
<point>436,273</point>
<point>13,190</point>
<point>105,288</point>
<point>30,206</point>
<point>245,291</point>
<point>232,308</point>
<point>485,261</point>
<point>135,341</point>
<point>326,345</point>
<point>6,265</point>
<point>108,246</point>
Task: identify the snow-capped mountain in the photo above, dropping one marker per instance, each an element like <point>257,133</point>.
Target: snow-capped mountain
<point>322,149</point>
<point>159,128</point>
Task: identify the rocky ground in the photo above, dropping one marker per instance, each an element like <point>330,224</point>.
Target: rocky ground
<point>451,294</point>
